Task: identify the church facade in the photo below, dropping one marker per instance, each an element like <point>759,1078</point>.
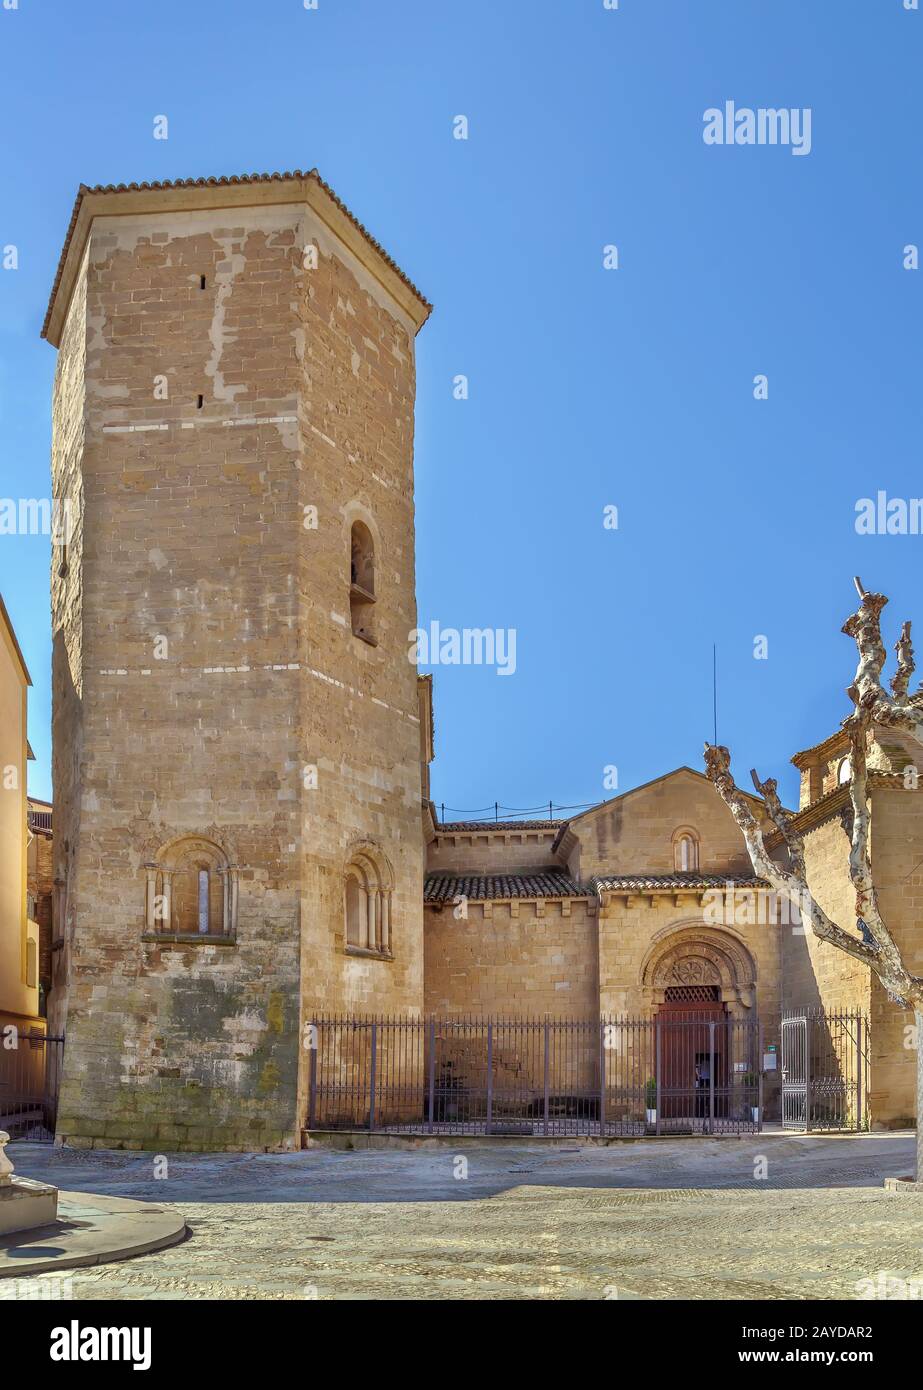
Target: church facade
<point>244,836</point>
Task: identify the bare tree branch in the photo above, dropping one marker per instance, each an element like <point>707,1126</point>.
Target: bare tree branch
<point>866,693</point>
<point>901,985</point>
<point>782,821</point>
<point>790,885</point>
<point>874,946</point>
<point>905,664</point>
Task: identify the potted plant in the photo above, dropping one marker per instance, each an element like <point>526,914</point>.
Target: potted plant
<point>650,1097</point>
<point>751,1081</point>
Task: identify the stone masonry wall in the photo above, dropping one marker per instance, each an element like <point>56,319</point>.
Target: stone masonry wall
<point>635,832</point>
<point>67,445</point>
<point>513,959</point>
<point>358,702</point>
<point>491,851</point>
<point>818,975</point>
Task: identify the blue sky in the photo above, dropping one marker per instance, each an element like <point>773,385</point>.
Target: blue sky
<point>629,387</point>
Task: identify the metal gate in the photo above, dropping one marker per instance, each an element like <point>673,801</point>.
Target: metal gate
<point>824,1070</point>
<point>30,1074</point>
<point>794,1073</point>
<point>680,1073</point>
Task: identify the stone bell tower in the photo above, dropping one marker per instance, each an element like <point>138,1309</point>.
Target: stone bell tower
<point>236,728</point>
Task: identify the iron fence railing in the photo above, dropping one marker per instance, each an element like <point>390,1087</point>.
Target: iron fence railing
<point>511,1076</point>
<point>825,1067</point>
<point>30,1074</point>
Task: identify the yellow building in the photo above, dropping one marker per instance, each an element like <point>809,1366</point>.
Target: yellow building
<point>19,992</point>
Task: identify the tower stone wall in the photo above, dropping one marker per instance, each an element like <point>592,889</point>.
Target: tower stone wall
<point>235,389</point>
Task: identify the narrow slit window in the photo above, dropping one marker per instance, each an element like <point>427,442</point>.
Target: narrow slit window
<point>203,900</point>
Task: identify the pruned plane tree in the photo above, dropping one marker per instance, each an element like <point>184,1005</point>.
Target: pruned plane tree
<point>867,939</point>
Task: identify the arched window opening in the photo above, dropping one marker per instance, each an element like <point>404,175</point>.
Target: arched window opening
<point>362,559</point>
<point>685,852</point>
<point>362,582</point>
<point>367,901</point>
<point>191,891</point>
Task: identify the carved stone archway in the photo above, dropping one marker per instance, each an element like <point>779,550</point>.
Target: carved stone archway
<point>693,954</point>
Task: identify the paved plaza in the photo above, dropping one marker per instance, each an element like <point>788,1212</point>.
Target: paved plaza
<point>651,1220</point>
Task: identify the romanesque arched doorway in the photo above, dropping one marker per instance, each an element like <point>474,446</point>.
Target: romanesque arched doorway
<point>700,983</point>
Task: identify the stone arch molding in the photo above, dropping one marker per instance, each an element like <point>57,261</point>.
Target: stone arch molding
<point>173,863</point>
<point>693,954</point>
<point>158,842</point>
<point>690,835</point>
<point>368,885</point>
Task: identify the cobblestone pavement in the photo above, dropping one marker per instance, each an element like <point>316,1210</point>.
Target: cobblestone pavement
<point>662,1219</point>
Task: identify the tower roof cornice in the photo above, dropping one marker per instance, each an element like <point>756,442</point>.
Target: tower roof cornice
<point>239,190</point>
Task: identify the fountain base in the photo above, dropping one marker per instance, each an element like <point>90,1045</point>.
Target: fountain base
<point>24,1204</point>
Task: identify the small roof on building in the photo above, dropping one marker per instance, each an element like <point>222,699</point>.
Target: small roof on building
<point>554,883</point>
<point>543,883</point>
<point>836,742</point>
<point>456,827</point>
<point>818,752</point>
<point>643,883</point>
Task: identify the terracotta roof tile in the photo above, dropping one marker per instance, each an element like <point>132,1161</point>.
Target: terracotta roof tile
<point>543,883</point>
<point>557,883</point>
<point>455,827</point>
<point>643,883</point>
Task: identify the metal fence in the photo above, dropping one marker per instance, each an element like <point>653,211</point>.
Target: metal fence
<point>606,1076</point>
<point>30,1074</point>
<point>825,1060</point>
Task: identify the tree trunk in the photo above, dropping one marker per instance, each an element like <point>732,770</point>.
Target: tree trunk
<point>918,1020</point>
